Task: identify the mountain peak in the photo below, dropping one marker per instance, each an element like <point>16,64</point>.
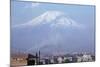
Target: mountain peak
<point>53,18</point>
<point>44,18</point>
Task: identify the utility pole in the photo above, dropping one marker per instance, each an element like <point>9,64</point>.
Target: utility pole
<point>39,56</point>
<point>36,59</point>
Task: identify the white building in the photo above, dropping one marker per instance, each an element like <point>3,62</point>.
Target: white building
<point>67,58</point>
<point>79,59</point>
<point>86,58</point>
<point>60,59</point>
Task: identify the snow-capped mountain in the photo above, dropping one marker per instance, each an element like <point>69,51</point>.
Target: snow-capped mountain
<point>50,32</point>
<point>53,18</point>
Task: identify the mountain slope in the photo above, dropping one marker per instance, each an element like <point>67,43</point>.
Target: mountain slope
<point>51,32</point>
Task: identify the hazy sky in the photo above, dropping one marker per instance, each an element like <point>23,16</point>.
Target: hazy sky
<point>52,27</point>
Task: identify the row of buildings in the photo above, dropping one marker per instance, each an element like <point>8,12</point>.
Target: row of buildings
<point>67,59</point>
<point>37,59</point>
